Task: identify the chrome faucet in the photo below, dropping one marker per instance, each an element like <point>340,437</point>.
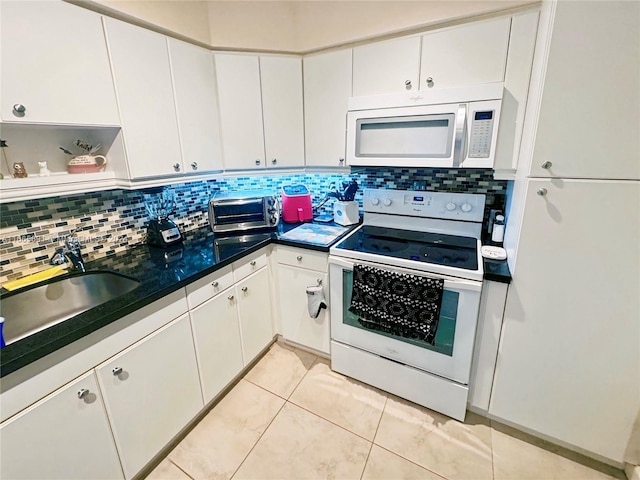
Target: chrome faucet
<point>69,254</point>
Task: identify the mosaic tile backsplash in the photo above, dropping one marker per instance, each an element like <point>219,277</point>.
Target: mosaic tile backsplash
<point>112,221</point>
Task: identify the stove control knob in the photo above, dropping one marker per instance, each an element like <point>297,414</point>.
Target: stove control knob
<point>375,201</point>
<point>387,202</point>
<point>451,206</point>
<point>465,207</point>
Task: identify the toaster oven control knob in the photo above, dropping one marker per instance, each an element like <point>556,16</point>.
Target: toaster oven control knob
<point>465,207</point>
<point>375,201</point>
<point>450,206</point>
<point>386,202</point>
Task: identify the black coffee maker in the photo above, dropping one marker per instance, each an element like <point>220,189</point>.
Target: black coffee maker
<point>162,232</point>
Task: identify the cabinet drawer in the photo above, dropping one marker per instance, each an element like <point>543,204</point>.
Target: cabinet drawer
<point>300,257</point>
<point>251,263</point>
<point>209,286</point>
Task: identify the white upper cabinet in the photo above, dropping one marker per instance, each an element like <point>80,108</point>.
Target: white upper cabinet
<point>327,88</point>
<point>54,65</point>
<point>391,66</point>
<point>524,27</point>
<point>240,110</point>
<point>260,110</point>
<point>589,117</point>
<point>281,82</point>
<point>466,54</point>
<point>194,82</point>
<point>142,74</point>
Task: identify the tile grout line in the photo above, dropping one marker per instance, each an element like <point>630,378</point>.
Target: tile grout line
<point>259,438</point>
<point>386,398</point>
<point>179,468</point>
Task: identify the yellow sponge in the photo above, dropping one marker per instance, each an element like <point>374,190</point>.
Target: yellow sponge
<point>35,278</point>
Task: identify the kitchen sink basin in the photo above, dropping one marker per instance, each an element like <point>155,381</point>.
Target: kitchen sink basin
<point>29,311</point>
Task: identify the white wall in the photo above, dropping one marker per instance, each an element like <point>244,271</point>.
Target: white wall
<point>294,26</point>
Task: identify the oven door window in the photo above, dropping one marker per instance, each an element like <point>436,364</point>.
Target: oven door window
<point>232,213</point>
<point>445,333</point>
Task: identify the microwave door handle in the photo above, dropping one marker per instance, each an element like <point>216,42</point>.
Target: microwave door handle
<point>460,135</point>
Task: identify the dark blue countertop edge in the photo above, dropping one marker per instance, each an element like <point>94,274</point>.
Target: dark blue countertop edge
<point>157,279</point>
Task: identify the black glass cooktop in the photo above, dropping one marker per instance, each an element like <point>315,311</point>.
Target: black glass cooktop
<point>437,248</point>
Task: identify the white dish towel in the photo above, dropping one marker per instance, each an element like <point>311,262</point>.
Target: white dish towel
<point>315,300</point>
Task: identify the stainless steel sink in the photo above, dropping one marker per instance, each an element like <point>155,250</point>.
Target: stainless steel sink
<point>29,311</point>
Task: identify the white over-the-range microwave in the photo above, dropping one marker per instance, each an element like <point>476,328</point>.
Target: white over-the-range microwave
<point>447,128</point>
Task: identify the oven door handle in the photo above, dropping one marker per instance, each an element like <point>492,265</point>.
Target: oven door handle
<point>450,283</point>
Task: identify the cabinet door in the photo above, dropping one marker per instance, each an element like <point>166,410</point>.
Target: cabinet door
<point>386,67</point>
<point>522,42</point>
<point>589,117</point>
<point>61,437</point>
<point>281,83</point>
<point>297,325</point>
<point>140,62</point>
<point>254,308</point>
<point>194,82</point>
<point>465,55</point>
<point>240,110</point>
<point>55,64</point>
<point>216,334</point>
<point>327,88</point>
<point>151,391</point>
<point>569,364</point>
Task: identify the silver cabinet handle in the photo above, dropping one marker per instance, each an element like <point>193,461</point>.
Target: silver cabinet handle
<point>176,167</point>
<point>319,280</point>
<point>257,162</point>
<point>116,371</point>
<point>244,289</point>
<point>194,165</point>
<point>215,284</point>
<point>429,80</point>
<point>19,109</point>
<point>230,297</point>
<point>546,165</point>
<point>407,84</point>
<point>274,161</point>
<point>542,192</point>
<point>252,263</point>
<point>83,392</point>
<point>341,160</point>
<point>299,258</point>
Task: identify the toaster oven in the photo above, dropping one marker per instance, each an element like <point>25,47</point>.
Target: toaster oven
<point>240,211</point>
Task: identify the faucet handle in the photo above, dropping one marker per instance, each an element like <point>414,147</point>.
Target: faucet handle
<point>58,258</point>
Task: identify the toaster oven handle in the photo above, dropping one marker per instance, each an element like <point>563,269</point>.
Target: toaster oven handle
<point>460,135</point>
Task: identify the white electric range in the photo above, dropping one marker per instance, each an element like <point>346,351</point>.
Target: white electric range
<point>419,234</point>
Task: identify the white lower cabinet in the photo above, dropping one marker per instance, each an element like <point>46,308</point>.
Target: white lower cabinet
<point>151,391</point>
<point>216,332</point>
<point>65,435</point>
<point>254,309</point>
<point>297,325</point>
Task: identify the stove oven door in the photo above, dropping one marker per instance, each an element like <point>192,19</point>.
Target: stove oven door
<point>449,356</point>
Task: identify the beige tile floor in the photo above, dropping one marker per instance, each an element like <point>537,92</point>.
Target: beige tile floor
<point>291,417</point>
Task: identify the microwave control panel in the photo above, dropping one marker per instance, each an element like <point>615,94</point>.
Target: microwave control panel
<point>481,133</point>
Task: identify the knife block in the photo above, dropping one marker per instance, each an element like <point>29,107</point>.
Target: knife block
<point>346,213</point>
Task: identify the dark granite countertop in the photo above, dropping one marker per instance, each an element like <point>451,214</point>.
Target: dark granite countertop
<point>497,271</point>
<point>201,253</point>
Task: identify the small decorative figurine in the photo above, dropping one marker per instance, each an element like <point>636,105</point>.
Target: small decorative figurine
<point>44,171</point>
<point>19,171</point>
